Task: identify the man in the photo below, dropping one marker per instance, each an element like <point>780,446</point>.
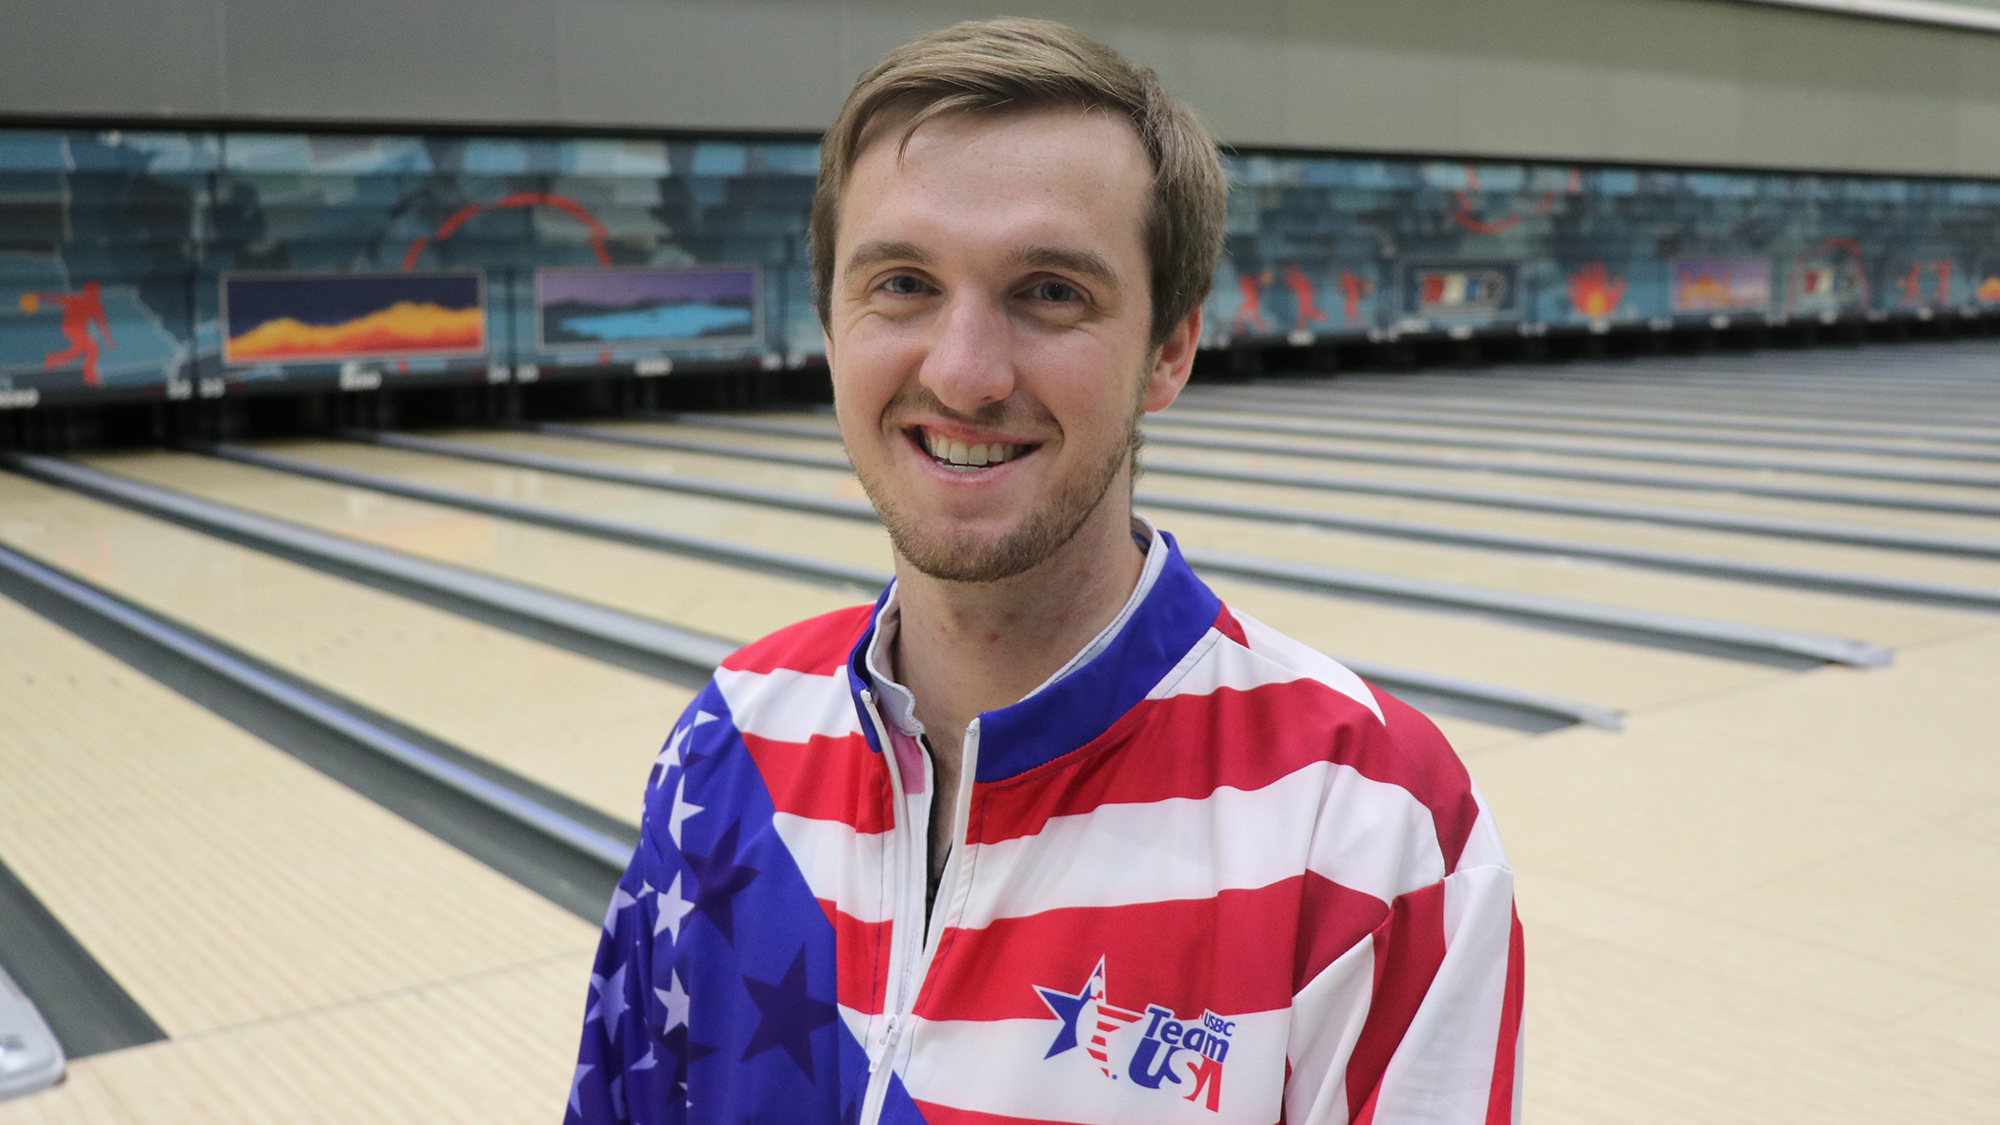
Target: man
<point>1047,833</point>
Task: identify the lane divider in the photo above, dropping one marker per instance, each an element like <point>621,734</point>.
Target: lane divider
<point>1337,392</point>
<point>778,428</point>
<point>1282,401</point>
<point>1923,593</point>
<point>1757,644</point>
<point>1233,416</point>
<point>499,798</point>
<point>1524,710</point>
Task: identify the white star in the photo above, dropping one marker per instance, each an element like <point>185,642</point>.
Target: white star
<point>670,754</point>
<point>576,1087</point>
<point>596,1010</point>
<point>650,1061</point>
<point>676,1000</point>
<point>673,908</point>
<point>612,1002</point>
<point>619,901</point>
<point>675,816</point>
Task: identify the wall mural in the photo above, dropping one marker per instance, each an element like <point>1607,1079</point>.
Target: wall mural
<point>599,308</point>
<point>162,264</point>
<point>283,318</point>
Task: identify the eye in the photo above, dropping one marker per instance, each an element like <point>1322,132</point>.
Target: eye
<point>904,285</point>
<point>1056,292</point>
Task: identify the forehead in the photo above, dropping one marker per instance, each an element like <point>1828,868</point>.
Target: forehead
<point>1034,174</point>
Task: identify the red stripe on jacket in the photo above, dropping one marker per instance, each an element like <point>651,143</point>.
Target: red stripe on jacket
<point>1187,954</point>
<point>1409,947</point>
<point>826,778</point>
<point>818,645</point>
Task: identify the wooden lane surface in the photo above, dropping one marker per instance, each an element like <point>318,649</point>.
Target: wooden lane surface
<point>825,537</point>
<point>1434,511</point>
<point>710,597</point>
<point>1599,671</point>
<point>1774,904</point>
<point>581,727</point>
<point>309,952</point>
<point>1883,562</point>
<point>1877,620</point>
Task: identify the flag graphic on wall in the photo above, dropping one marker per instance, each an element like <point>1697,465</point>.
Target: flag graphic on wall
<point>1461,290</point>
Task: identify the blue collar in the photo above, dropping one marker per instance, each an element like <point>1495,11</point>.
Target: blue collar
<point>1063,716</point>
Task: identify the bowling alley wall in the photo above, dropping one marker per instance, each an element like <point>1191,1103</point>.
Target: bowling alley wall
<point>186,265</point>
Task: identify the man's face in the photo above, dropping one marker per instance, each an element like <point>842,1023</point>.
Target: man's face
<point>989,333</point>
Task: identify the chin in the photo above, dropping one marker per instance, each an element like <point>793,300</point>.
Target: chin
<point>971,557</point>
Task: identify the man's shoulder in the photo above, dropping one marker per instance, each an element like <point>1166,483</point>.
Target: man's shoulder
<point>815,646</point>
<point>792,685</point>
<point>1302,704</point>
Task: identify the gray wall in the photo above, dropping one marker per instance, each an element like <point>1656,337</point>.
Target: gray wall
<point>1678,81</point>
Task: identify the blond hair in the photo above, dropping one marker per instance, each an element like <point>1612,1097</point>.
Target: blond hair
<point>994,66</point>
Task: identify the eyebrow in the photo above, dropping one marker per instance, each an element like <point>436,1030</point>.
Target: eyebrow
<point>875,253</point>
<point>1085,262</point>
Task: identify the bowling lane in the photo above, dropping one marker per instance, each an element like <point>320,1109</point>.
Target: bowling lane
<point>1884,562</point>
<point>1346,550</point>
<point>219,880</point>
<point>1733,503</point>
<point>591,733</point>
<point>1588,580</point>
<point>1694,417</point>
<point>1600,671</point>
<point>824,537</point>
<point>710,597</point>
<point>866,544</point>
<point>846,541</point>
<point>1333,453</point>
<point>1308,420</point>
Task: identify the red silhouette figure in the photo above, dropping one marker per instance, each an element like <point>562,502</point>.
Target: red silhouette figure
<point>1249,314</point>
<point>1302,287</point>
<point>1912,285</point>
<point>1352,289</point>
<point>79,312</point>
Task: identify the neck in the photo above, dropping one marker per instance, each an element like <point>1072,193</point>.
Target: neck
<point>967,647</point>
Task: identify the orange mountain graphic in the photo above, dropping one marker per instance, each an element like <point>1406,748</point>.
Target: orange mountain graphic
<point>404,328</point>
<point>1989,291</point>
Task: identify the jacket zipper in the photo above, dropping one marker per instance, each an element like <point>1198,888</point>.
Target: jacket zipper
<point>914,939</point>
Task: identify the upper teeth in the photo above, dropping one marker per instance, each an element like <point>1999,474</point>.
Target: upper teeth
<point>971,456</point>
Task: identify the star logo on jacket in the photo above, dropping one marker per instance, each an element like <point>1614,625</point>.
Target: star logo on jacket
<point>1165,1048</point>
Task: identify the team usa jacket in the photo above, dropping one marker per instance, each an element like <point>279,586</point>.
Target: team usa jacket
<point>1207,876</point>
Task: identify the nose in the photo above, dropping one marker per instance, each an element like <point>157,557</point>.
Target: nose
<point>970,363</point>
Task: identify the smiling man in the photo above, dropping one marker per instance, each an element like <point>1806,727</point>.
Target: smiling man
<point>1047,833</point>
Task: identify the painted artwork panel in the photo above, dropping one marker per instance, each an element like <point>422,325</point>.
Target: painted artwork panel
<point>648,307</point>
<point>1986,284</point>
<point>1721,285</point>
<point>326,317</point>
<point>1461,290</point>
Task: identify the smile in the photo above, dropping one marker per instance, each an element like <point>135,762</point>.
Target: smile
<point>968,457</point>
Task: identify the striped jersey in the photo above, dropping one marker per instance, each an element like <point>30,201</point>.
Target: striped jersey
<point>1208,875</point>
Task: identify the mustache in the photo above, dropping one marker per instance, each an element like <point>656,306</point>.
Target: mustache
<point>1008,413</point>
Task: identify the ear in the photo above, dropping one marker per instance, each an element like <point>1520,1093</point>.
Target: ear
<point>1173,362</point>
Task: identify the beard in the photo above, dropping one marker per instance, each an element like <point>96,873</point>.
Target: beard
<point>1046,530</point>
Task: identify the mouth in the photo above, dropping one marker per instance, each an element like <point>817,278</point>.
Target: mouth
<point>960,456</point>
